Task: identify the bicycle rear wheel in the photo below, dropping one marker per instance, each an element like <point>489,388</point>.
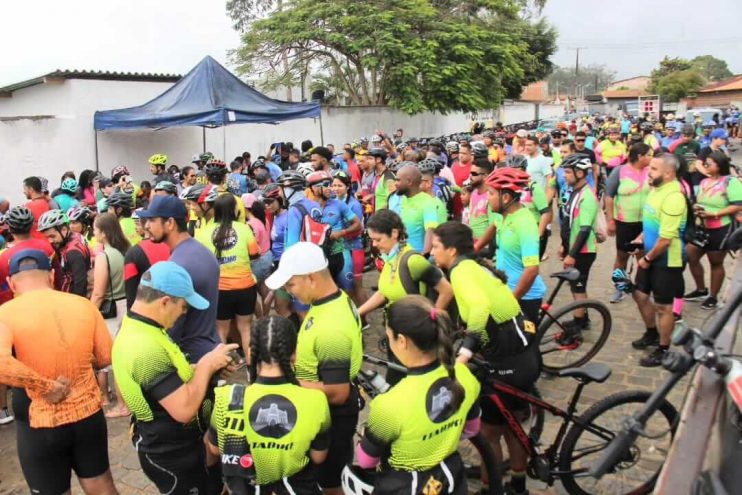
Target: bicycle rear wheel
<point>583,446</point>
<point>563,346</point>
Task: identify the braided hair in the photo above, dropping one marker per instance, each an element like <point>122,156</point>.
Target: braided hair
<point>273,340</point>
<point>430,329</point>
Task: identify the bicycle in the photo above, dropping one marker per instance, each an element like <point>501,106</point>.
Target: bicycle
<point>562,345</point>
<point>697,348</point>
<point>356,481</point>
<point>578,437</point>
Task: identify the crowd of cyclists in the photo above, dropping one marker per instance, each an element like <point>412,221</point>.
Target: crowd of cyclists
<point>138,299</point>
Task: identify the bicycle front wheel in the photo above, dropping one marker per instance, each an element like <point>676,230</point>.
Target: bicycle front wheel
<point>584,445</point>
<point>563,345</point>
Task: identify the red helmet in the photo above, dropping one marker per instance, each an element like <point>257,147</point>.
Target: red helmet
<point>318,177</point>
<point>512,179</point>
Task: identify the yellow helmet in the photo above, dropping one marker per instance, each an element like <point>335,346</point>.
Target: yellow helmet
<point>158,159</point>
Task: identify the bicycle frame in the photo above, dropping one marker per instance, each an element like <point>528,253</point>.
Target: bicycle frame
<point>546,306</point>
<point>567,416</point>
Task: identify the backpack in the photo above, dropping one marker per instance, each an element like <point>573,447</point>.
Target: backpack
<point>314,231</point>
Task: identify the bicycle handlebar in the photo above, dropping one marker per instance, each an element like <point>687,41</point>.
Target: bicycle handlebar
<point>382,362</point>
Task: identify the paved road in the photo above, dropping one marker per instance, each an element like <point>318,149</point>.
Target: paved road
<point>617,353</point>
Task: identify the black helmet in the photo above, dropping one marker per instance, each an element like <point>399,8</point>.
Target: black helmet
<point>121,199</point>
<point>167,186</point>
<point>646,126</point>
<point>516,161</point>
<point>215,167</point>
<point>556,133</point>
<point>577,160</point>
<point>479,150</point>
<point>378,153</point>
<point>428,166</point>
<point>272,191</point>
<point>200,193</point>
<point>19,219</point>
<point>292,179</point>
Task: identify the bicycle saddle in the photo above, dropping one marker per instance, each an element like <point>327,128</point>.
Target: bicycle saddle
<point>570,274</point>
<point>591,372</point>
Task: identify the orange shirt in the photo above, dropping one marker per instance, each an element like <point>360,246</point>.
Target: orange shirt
<point>54,334</point>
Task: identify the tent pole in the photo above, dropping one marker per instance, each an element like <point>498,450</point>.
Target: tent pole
<point>321,130</point>
<point>203,137</point>
<point>97,167</point>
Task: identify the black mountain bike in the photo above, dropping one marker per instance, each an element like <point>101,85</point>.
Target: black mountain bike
<point>563,345</point>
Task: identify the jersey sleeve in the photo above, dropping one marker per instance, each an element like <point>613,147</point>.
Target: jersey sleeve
<point>421,270</point>
<point>216,422</point>
<point>473,304</point>
<point>155,373</point>
<point>333,358</point>
<point>588,210</point>
<point>293,227</point>
<point>79,270</point>
<point>672,212</point>
<point>347,214</point>
<point>382,428</point>
<point>611,185</point>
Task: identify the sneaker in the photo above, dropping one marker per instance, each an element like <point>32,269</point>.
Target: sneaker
<point>649,339</point>
<point>575,324</point>
<point>697,295</point>
<point>617,296</point>
<point>709,303</point>
<point>5,416</point>
<point>509,490</point>
<point>654,359</point>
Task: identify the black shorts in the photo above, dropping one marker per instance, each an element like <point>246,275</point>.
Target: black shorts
<point>531,309</point>
<point>716,238</point>
<point>583,262</point>
<point>665,284</point>
<point>335,263</point>
<point>49,455</point>
<point>521,371</point>
<point>181,471</point>
<point>236,302</point>
<point>626,233</point>
<point>341,449</point>
<point>452,480</point>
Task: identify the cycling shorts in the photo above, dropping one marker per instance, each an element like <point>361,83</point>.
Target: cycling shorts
<point>239,302</point>
<point>341,449</point>
<point>302,483</point>
<point>665,284</point>
<point>49,455</point>
<point>179,471</point>
<point>716,238</point>
<point>626,232</point>
<point>358,257</point>
<point>521,371</point>
<point>531,309</point>
<point>583,262</point>
<point>448,476</point>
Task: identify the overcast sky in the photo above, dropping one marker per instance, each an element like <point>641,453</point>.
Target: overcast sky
<point>629,37</point>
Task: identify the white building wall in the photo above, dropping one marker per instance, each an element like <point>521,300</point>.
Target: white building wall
<point>32,145</point>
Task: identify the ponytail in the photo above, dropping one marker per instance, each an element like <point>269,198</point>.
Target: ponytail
<point>273,340</point>
<point>444,330</point>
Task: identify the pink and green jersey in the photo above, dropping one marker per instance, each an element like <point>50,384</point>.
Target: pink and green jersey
<point>629,189</point>
<point>715,195</point>
<point>665,214</point>
<point>583,210</point>
<point>534,200</point>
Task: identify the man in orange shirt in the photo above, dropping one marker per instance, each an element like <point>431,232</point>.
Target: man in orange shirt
<point>37,203</point>
<point>58,338</point>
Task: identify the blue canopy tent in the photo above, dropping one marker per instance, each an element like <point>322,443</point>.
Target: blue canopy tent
<point>208,96</point>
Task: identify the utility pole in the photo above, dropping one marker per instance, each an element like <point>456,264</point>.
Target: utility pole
<point>577,58</point>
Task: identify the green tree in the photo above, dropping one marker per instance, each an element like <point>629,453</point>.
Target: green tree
<point>679,84</point>
<point>669,65</point>
<point>711,68</point>
<point>413,55</point>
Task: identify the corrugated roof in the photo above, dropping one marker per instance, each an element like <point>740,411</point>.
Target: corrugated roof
<point>90,74</point>
<point>733,83</point>
<point>624,93</point>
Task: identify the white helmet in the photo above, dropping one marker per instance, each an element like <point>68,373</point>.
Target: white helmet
<point>375,138</point>
<point>352,484</point>
<point>305,169</point>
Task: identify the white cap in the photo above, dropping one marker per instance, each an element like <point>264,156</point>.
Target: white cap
<point>302,258</point>
<point>522,133</point>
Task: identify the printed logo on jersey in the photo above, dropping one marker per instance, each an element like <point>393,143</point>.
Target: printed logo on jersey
<point>273,416</point>
<point>438,400</point>
<point>309,322</point>
<point>432,487</point>
<point>230,239</point>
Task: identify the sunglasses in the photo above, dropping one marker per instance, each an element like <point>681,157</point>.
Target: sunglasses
<point>475,174</point>
<point>579,140</point>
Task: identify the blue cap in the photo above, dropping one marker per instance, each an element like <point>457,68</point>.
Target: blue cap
<point>170,278</point>
<point>29,259</point>
<point>165,207</point>
<point>719,134</point>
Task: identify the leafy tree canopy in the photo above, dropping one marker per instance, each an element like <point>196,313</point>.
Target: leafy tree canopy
<point>711,68</point>
<point>414,55</point>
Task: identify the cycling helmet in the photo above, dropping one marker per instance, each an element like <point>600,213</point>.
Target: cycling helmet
<point>79,214</point>
<point>578,161</point>
<point>646,126</point>
<point>479,150</point>
<point>215,167</point>
<point>402,146</point>
<point>319,177</point>
<point>413,140</point>
<point>52,218</point>
<point>121,199</point>
<point>376,139</point>
<point>305,169</point>
<point>272,191</point>
<point>452,147</point>
<point>516,161</point>
<point>158,159</point>
<point>622,281</point>
<point>353,484</point>
<point>69,185</point>
<point>490,134</point>
<point>19,219</point>
<point>259,163</point>
<point>167,186</point>
<point>118,172</point>
<point>511,179</point>
<point>556,133</point>
<point>135,213</point>
<point>205,157</point>
<point>688,130</point>
<point>44,184</point>
<point>394,165</point>
<point>363,140</point>
<point>708,124</point>
<point>378,152</point>
<point>200,193</point>
<point>292,179</point>
<point>428,166</point>
<point>670,116</point>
